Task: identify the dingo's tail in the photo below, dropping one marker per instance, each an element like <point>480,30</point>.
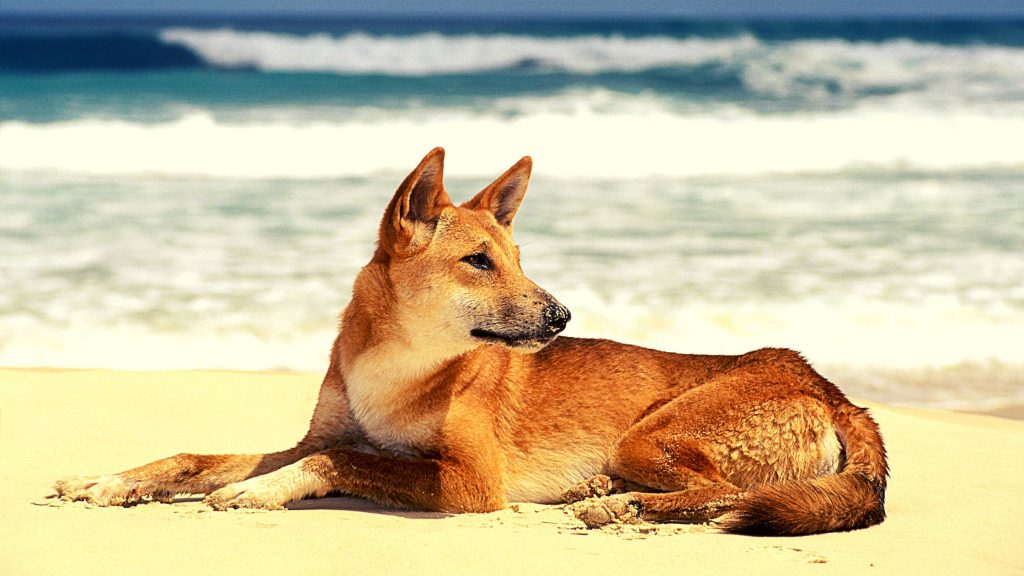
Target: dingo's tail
<point>853,498</point>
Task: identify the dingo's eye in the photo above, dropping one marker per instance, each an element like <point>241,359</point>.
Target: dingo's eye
<point>480,261</point>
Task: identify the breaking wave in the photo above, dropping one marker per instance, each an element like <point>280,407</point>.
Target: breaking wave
<point>805,67</point>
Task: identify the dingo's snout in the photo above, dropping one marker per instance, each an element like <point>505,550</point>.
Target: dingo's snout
<point>528,327</point>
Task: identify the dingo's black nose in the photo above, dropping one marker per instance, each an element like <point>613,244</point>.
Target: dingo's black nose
<point>556,317</point>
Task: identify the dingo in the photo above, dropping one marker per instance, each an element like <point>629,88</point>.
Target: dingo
<point>447,390</point>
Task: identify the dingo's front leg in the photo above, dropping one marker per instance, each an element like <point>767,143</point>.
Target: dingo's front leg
<point>431,484</point>
<point>181,474</point>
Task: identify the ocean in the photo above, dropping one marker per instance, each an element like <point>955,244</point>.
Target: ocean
<point>191,192</point>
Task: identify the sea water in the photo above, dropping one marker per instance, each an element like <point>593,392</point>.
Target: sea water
<point>200,193</point>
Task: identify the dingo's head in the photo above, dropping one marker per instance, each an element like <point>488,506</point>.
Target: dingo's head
<point>454,271</point>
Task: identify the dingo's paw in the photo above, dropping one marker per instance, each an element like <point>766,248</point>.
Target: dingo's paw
<point>255,493</point>
<point>599,485</point>
<point>597,512</point>
<point>109,490</point>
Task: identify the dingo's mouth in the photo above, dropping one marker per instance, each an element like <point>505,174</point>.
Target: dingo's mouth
<point>536,341</point>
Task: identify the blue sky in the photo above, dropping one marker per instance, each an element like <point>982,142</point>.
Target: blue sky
<point>533,7</point>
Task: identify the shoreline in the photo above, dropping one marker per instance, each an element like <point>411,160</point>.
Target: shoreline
<point>1009,411</point>
<point>942,516</point>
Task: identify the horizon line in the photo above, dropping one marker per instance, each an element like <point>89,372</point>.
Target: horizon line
<point>489,15</point>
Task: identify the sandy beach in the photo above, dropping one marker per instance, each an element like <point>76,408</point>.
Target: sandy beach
<point>954,503</point>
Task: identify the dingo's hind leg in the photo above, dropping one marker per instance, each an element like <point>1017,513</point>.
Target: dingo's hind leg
<point>764,421</point>
<point>678,483</point>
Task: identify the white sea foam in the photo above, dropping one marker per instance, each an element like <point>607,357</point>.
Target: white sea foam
<point>902,288</point>
<point>584,142</point>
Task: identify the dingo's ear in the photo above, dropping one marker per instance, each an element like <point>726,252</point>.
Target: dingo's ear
<point>503,196</point>
<point>420,199</point>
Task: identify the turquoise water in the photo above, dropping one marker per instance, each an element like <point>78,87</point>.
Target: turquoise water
<point>852,190</point>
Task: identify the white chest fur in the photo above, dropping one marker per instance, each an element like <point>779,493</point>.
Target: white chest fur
<point>382,383</point>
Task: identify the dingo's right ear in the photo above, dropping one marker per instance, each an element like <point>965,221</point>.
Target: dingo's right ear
<point>419,200</point>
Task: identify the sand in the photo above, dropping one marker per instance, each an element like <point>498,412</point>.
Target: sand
<point>955,503</point>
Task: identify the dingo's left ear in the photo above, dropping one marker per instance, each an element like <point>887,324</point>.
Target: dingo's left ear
<point>503,196</point>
